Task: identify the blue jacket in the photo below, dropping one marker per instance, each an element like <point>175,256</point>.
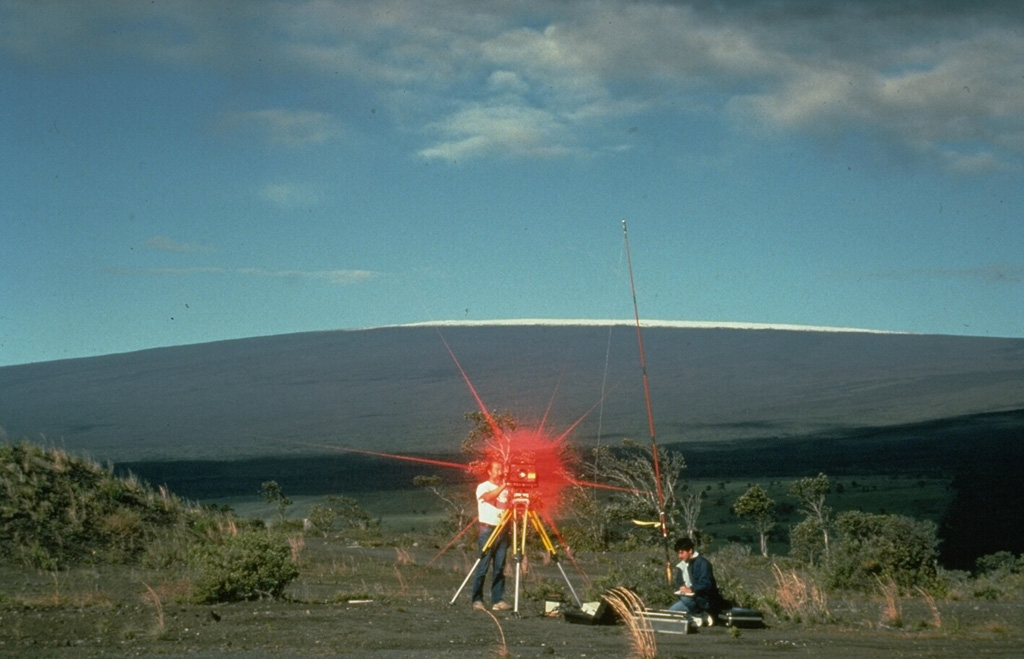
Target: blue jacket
<point>702,577</point>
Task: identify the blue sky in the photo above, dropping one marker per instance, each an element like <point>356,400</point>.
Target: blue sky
<point>182,172</point>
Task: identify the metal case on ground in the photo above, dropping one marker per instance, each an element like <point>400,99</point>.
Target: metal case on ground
<point>667,622</point>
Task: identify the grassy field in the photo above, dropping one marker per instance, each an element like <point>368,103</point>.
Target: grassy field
<point>392,589</point>
<point>387,601</point>
<point>960,473</point>
<point>418,511</point>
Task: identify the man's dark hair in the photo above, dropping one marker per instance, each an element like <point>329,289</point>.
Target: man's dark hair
<point>684,544</point>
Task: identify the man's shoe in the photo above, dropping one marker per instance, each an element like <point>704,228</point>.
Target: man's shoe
<point>501,606</point>
<point>710,622</point>
<point>479,606</point>
<point>697,620</point>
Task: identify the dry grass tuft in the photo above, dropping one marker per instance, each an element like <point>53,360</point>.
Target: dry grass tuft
<point>929,599</point>
<point>800,597</point>
<point>402,556</point>
<point>174,591</point>
<point>77,600</point>
<point>501,650</point>
<point>151,596</point>
<point>892,606</point>
<point>166,498</point>
<point>401,581</point>
<point>627,604</point>
<point>994,627</point>
<point>296,543</point>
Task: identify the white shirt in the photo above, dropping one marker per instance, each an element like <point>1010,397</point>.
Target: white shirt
<point>487,512</point>
<point>684,567</point>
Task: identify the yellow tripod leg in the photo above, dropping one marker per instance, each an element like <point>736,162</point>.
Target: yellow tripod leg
<point>550,546</point>
<point>506,516</point>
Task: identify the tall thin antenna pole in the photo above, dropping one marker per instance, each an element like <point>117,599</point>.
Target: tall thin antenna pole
<point>650,413</point>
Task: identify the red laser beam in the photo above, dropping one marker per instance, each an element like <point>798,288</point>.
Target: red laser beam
<point>551,401</point>
<point>565,546</point>
<point>395,456</point>
<point>544,462</point>
<point>530,446</point>
<point>495,428</point>
<point>605,486</point>
<point>452,542</point>
<point>547,456</point>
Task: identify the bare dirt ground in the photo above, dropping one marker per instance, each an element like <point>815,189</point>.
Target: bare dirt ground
<point>387,602</point>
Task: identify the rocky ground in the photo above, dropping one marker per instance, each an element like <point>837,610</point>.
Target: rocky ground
<point>387,602</point>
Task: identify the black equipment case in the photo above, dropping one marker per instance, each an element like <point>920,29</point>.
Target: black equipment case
<point>738,616</point>
<point>603,615</point>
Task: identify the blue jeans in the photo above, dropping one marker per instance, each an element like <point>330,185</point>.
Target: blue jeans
<point>691,605</point>
<point>496,556</point>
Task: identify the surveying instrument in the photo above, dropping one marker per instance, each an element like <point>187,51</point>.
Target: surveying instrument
<point>520,515</point>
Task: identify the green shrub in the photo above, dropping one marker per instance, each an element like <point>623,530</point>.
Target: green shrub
<point>587,527</point>
<point>351,515</point>
<point>999,576</point>
<point>322,517</point>
<point>733,565</point>
<point>56,509</point>
<point>251,565</point>
<point>124,530</point>
<point>806,541</point>
<point>642,572</point>
<point>870,547</point>
<point>546,589</point>
<point>1000,563</point>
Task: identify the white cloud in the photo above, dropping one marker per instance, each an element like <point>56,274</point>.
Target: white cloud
<point>339,276</point>
<point>973,163</point>
<point>537,78</point>
<point>1000,274</point>
<point>289,195</point>
<point>292,128</point>
<point>507,82</point>
<point>511,130</point>
<point>331,276</point>
<point>165,244</point>
<point>950,91</point>
<point>172,272</point>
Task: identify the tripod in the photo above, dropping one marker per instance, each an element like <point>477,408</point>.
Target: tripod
<point>520,517</point>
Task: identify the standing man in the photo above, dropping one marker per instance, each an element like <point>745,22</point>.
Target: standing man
<point>695,584</point>
<point>491,501</point>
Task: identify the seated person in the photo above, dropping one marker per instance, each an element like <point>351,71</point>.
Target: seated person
<point>695,584</point>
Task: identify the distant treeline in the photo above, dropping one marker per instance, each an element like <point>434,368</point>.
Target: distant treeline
<point>981,455</point>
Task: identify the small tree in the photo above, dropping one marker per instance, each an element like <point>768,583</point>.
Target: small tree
<point>587,523</point>
<point>273,494</point>
<point>690,505</point>
<point>633,471</point>
<point>322,517</point>
<point>759,509</point>
<point>351,514</point>
<point>812,493</point>
<point>486,427</point>
<point>459,508</point>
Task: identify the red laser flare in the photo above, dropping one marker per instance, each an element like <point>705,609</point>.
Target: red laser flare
<point>394,456</point>
<point>495,429</point>
<point>546,458</point>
